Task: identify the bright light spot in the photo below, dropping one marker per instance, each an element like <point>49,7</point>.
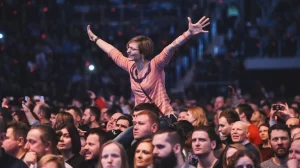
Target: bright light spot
<point>1,36</point>
<point>91,67</point>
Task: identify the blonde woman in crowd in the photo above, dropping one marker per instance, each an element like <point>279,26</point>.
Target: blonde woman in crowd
<point>196,116</point>
<point>51,161</point>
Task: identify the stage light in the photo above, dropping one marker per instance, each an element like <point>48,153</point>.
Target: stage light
<point>91,67</point>
<point>1,35</point>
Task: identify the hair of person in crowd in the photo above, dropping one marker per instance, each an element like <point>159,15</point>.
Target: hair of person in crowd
<point>199,116</point>
<point>95,111</point>
<point>46,161</point>
<point>149,107</point>
<point>234,159</point>
<point>245,109</point>
<point>123,154</point>
<point>185,130</point>
<point>235,147</point>
<point>63,118</point>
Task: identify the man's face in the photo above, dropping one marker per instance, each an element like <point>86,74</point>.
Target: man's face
<point>111,125</point>
<point>92,147</point>
<point>294,152</point>
<point>76,118</point>
<point>122,125</point>
<point>86,117</point>
<point>219,102</point>
<point>35,144</point>
<point>238,132</point>
<point>143,127</point>
<point>182,116</point>
<point>65,141</point>
<point>104,117</point>
<point>263,133</point>
<point>163,154</point>
<point>201,144</point>
<point>224,126</point>
<point>280,143</point>
<point>53,119</point>
<point>10,144</point>
<point>255,116</point>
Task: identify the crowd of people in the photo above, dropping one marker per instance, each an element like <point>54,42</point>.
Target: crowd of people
<point>229,132</point>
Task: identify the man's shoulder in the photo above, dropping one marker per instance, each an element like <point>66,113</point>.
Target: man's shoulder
<point>10,161</point>
<point>270,164</point>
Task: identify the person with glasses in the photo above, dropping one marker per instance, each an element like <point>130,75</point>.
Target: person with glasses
<point>147,76</point>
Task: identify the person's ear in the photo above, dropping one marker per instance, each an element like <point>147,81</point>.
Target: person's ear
<point>48,146</point>
<point>213,145</point>
<point>21,141</point>
<point>78,119</point>
<point>177,148</point>
<point>93,118</point>
<point>154,128</point>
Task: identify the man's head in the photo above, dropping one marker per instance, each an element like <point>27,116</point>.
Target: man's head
<point>292,122</point>
<point>111,125</point>
<point>263,132</point>
<point>182,115</point>
<point>146,107</point>
<point>258,116</point>
<point>146,124</point>
<point>205,141</point>
<point>15,138</point>
<point>239,132</point>
<point>167,147</point>
<point>76,113</point>
<point>53,117</point>
<point>226,120</point>
<point>95,139</point>
<point>280,140</point>
<point>42,140</point>
<point>123,122</point>
<point>91,115</point>
<point>44,112</point>
<point>245,112</point>
<point>219,102</point>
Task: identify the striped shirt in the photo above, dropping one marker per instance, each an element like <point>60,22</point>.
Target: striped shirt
<point>151,78</point>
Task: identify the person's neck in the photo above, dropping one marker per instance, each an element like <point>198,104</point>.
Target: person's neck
<point>140,64</point>
<point>180,161</point>
<point>256,123</point>
<point>266,144</point>
<point>94,125</point>
<point>20,153</point>
<point>245,121</point>
<point>280,162</point>
<point>207,162</point>
<point>67,154</point>
<point>44,121</point>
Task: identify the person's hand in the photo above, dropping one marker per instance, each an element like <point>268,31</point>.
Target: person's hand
<point>30,158</point>
<point>5,102</point>
<point>293,163</point>
<point>197,28</point>
<point>91,35</point>
<point>25,105</point>
<point>283,113</point>
<point>81,132</point>
<point>92,95</point>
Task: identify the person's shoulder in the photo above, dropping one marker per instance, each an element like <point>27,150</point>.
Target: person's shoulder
<point>267,164</point>
<point>13,162</point>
